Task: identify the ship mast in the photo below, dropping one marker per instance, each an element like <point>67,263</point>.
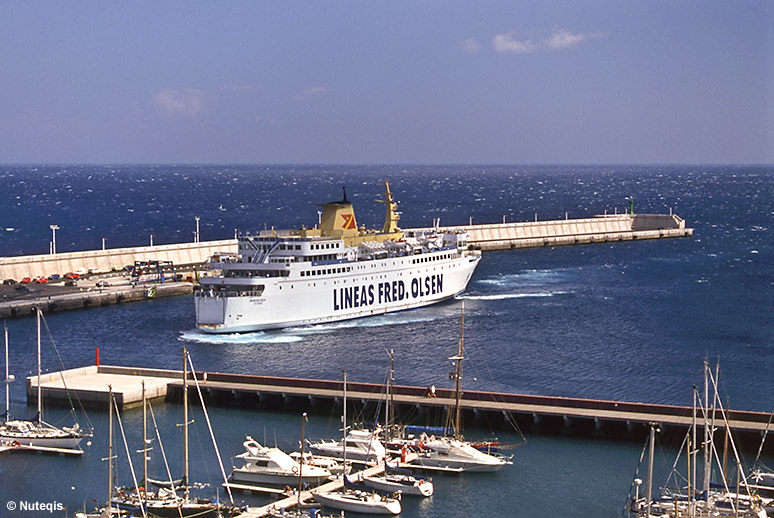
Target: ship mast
<point>185,422</point>
<point>110,451</point>
<point>391,215</point>
<point>458,377</point>
<point>144,441</point>
<point>7,378</point>
<point>40,394</point>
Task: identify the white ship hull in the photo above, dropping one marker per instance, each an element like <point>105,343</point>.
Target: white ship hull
<point>246,476</point>
<point>372,288</point>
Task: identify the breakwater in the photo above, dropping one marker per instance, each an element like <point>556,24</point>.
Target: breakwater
<point>599,229</point>
<point>91,297</point>
<point>500,236</point>
<point>112,259</point>
<point>536,414</point>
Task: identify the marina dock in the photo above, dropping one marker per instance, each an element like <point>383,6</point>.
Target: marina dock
<point>535,414</point>
<point>307,496</point>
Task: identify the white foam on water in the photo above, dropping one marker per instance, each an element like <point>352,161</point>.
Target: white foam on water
<point>257,337</point>
<point>504,296</point>
<point>365,322</point>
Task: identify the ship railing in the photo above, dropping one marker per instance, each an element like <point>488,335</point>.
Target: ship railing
<point>329,261</point>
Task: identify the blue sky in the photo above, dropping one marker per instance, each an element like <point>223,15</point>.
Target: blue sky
<point>517,82</point>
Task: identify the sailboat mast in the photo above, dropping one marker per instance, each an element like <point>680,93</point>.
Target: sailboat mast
<point>301,459</point>
<point>650,466</point>
<point>390,414</point>
<point>40,395</point>
<point>458,375</point>
<point>185,421</point>
<point>706,483</point>
<point>344,422</point>
<point>692,453</point>
<point>7,378</point>
<point>144,440</point>
<point>110,451</point>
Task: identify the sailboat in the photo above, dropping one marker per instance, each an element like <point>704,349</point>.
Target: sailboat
<point>36,432</point>
<point>694,501</point>
<point>454,453</point>
<point>354,497</point>
<point>264,465</point>
<point>395,478</point>
<point>166,502</point>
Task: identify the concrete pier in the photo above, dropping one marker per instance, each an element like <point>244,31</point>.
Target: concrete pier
<point>536,414</point>
<point>89,297</point>
<point>599,229</point>
<point>111,259</point>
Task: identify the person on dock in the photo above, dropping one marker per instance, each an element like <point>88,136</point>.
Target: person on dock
<point>431,391</point>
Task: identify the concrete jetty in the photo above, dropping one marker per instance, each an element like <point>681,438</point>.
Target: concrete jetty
<point>110,259</point>
<point>599,229</point>
<point>538,414</point>
<point>193,256</point>
<point>63,298</point>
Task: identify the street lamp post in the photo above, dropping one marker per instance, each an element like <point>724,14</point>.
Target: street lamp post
<point>196,240</point>
<point>53,228</point>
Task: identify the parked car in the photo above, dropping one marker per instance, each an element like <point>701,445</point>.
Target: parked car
<point>72,275</point>
<point>103,284</point>
<point>70,282</point>
<point>9,281</point>
<point>25,280</point>
<point>41,280</point>
<point>23,287</point>
<point>54,277</point>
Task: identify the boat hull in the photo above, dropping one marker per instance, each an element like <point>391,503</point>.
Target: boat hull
<point>47,438</point>
<point>358,502</point>
<point>418,488</point>
<point>392,285</point>
<point>243,476</point>
<point>458,465</point>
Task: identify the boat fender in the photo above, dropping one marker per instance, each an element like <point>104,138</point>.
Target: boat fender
<point>295,470</point>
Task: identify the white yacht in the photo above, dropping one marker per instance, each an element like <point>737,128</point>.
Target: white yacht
<point>457,455</point>
<point>361,446</point>
<point>357,501</point>
<point>335,271</point>
<point>396,479</point>
<point>272,466</point>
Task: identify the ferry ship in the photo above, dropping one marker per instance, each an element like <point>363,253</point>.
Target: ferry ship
<point>334,271</point>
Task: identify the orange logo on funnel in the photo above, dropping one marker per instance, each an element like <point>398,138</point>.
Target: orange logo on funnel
<point>349,221</point>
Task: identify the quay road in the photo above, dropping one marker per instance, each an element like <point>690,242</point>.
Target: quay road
<point>20,300</point>
<point>537,414</point>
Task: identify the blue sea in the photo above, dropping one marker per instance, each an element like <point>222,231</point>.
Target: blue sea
<point>628,321</point>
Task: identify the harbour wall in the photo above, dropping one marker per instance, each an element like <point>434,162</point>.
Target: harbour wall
<point>500,236</point>
<point>181,254</point>
<point>598,229</point>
